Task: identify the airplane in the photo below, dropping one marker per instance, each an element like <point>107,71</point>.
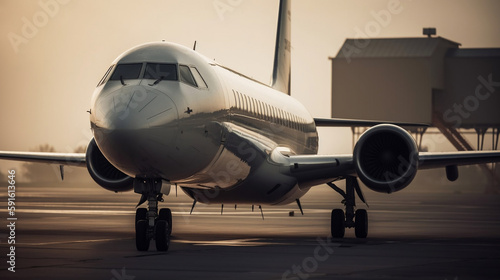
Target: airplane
<point>163,115</point>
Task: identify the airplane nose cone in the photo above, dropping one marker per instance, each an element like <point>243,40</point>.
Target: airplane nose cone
<point>136,128</point>
<point>134,108</point>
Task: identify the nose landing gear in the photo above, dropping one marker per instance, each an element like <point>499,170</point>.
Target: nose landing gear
<point>149,223</point>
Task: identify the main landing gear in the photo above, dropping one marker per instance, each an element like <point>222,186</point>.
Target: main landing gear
<point>151,223</point>
<point>357,219</point>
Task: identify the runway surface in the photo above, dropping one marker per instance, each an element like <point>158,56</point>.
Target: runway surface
<point>78,231</point>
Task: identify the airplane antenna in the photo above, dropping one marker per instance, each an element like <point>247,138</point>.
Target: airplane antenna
<point>261,212</point>
<point>221,208</point>
<point>300,206</point>
<point>252,207</point>
<point>192,207</point>
<point>194,46</point>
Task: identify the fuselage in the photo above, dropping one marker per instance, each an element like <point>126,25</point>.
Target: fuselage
<point>164,111</point>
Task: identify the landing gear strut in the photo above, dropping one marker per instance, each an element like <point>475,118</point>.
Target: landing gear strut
<point>149,223</point>
<point>357,219</point>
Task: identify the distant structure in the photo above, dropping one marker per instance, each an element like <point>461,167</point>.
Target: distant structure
<point>429,31</point>
<point>424,80</point>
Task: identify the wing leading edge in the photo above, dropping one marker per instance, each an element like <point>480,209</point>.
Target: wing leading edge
<point>74,159</point>
<point>436,160</point>
<point>350,123</point>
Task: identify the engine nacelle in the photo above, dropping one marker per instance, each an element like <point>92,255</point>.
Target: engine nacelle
<point>104,173</point>
<point>386,158</point>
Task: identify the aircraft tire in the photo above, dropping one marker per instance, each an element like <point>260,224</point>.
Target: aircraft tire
<point>166,215</point>
<point>141,214</point>
<point>162,235</point>
<point>338,223</point>
<point>361,223</point>
<point>141,235</point>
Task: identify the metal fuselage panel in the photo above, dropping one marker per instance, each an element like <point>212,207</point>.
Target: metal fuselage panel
<point>214,142</point>
<point>260,119</point>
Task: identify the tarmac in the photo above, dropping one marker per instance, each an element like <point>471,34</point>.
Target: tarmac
<point>79,231</point>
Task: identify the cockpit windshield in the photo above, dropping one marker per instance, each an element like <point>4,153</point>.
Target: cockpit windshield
<point>155,71</point>
<point>158,70</point>
<point>127,71</point>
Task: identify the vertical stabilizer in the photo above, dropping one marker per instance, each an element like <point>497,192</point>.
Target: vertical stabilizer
<point>282,55</point>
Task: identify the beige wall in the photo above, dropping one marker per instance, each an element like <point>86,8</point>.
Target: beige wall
<point>437,65</point>
<point>460,103</point>
<point>393,89</point>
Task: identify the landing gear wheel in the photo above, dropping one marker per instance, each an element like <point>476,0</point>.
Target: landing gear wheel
<point>361,223</point>
<point>141,235</point>
<point>141,214</point>
<point>151,223</point>
<point>338,223</point>
<point>166,215</point>
<point>162,235</point>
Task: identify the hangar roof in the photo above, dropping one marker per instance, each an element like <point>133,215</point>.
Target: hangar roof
<point>474,53</point>
<point>393,47</point>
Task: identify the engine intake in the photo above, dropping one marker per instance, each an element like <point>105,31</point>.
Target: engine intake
<point>386,158</point>
<point>104,173</point>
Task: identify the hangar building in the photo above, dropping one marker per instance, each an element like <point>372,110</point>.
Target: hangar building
<point>420,80</point>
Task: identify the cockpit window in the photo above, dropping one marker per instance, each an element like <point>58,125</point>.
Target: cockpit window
<point>127,71</point>
<point>186,75</point>
<point>105,77</point>
<point>158,70</point>
<point>199,79</point>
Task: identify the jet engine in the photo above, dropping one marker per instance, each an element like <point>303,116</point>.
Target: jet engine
<point>104,173</point>
<point>386,158</point>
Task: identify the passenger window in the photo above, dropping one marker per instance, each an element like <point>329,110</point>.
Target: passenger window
<point>105,77</point>
<point>242,103</point>
<point>157,70</point>
<point>198,78</point>
<point>186,75</point>
<point>247,103</point>
<point>235,99</point>
<point>127,71</point>
<point>238,100</point>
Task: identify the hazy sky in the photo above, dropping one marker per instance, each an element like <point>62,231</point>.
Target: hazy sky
<point>53,53</point>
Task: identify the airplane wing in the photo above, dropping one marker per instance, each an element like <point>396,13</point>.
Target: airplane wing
<point>436,160</point>
<point>317,166</point>
<point>385,159</point>
<point>311,170</point>
<point>322,122</point>
<point>75,159</point>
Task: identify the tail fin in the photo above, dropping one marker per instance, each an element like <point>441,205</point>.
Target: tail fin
<point>282,55</point>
